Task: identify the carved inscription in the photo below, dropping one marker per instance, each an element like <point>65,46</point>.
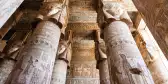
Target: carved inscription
<point>37,58</point>
<point>80,27</point>
<point>124,58</point>
<point>83,66</point>
<point>83,81</point>
<point>81,5</point>
<point>83,17</point>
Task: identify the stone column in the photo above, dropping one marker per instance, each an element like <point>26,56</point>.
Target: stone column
<point>38,56</point>
<point>101,58</point>
<point>125,62</point>
<point>6,66</point>
<point>152,54</point>
<point>62,63</point>
<point>104,72</point>
<point>8,59</point>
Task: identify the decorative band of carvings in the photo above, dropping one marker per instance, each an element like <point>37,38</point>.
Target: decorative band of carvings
<point>113,43</point>
<point>43,42</point>
<point>83,17</point>
<point>81,27</point>
<point>83,81</point>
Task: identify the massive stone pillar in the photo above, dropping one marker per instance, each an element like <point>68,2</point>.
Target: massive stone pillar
<point>9,56</point>
<point>152,54</point>
<point>63,62</point>
<point>125,62</point>
<point>37,58</point>
<point>101,58</point>
<point>103,72</point>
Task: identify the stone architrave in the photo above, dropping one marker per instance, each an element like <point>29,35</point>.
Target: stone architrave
<point>38,56</point>
<point>8,7</point>
<point>126,65</point>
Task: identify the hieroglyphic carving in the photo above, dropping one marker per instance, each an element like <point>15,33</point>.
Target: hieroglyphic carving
<point>85,5</point>
<point>38,56</point>
<point>83,20</point>
<point>7,9</point>
<point>83,50</point>
<point>124,56</point>
<point>83,17</point>
<point>122,52</point>
<point>82,27</point>
<point>83,81</point>
<point>83,67</point>
<point>86,70</point>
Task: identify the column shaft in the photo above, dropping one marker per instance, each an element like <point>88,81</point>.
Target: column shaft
<point>104,72</point>
<point>6,66</point>
<point>37,57</point>
<point>126,65</point>
<point>61,64</point>
<point>153,56</point>
<point>59,72</point>
<point>101,58</point>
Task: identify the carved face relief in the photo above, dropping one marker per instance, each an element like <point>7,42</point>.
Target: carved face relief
<point>113,10</point>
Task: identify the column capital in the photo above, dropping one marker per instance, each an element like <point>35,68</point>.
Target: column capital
<point>56,12</point>
<point>114,11</point>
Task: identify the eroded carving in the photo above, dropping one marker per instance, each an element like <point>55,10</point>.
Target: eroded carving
<point>115,11</point>
<point>56,12</point>
<point>37,58</point>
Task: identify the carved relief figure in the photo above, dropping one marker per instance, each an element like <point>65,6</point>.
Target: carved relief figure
<point>116,11</point>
